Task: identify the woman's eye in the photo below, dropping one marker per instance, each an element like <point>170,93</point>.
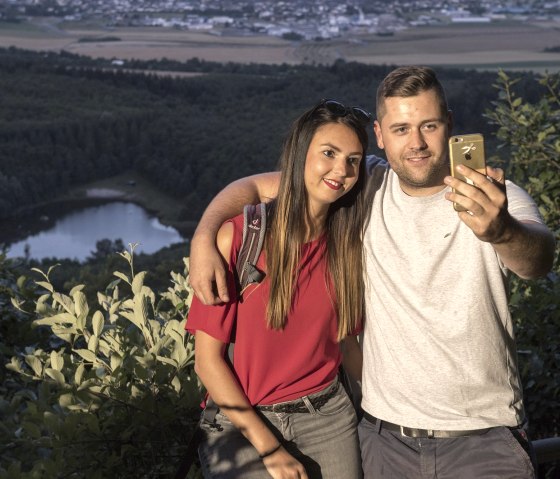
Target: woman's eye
<point>329,153</point>
<point>353,161</point>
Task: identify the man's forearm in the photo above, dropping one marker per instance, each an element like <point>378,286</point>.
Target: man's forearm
<point>207,275</point>
<point>527,249</point>
<point>230,202</point>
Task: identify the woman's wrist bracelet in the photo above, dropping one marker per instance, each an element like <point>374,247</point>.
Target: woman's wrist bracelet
<point>270,452</point>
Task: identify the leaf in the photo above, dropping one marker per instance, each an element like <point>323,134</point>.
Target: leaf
<point>104,347</point>
<point>176,383</point>
<point>80,303</point>
<point>81,323</point>
<point>116,361</point>
<point>177,336</point>
<point>138,282</point>
<point>93,343</point>
<point>115,306</point>
<point>98,321</point>
<point>17,303</point>
<point>113,342</point>
<point>75,289</point>
<point>66,400</point>
<point>56,375</point>
<point>46,285</point>
<point>140,311</point>
<point>122,276</point>
<point>79,374</point>
<point>132,318</point>
<point>52,267</point>
<point>126,255</point>
<point>65,302</point>
<point>15,365</point>
<point>179,355</point>
<point>59,319</point>
<point>35,364</point>
<point>20,282</point>
<point>169,361</point>
<point>37,270</point>
<point>57,361</point>
<point>64,333</point>
<point>88,384</point>
<point>86,354</point>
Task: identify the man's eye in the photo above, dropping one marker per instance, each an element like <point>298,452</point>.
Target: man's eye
<point>401,130</point>
<point>430,126</point>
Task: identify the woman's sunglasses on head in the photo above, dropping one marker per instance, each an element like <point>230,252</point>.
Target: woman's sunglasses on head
<point>339,109</point>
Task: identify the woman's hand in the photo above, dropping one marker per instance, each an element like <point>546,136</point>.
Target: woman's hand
<point>282,465</point>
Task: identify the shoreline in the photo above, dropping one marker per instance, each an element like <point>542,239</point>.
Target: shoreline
<point>126,187</point>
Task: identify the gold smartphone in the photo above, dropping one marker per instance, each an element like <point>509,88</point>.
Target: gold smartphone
<point>466,150</point>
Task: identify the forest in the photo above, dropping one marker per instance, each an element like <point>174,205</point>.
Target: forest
<point>66,120</point>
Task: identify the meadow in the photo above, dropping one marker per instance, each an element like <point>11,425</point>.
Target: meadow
<point>511,46</point>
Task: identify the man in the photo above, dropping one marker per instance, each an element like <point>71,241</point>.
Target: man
<point>440,383</point>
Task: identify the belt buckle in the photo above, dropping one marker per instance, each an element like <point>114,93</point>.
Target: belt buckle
<point>403,433</point>
<point>416,433</point>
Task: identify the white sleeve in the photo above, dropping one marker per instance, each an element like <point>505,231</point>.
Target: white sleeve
<point>520,205</point>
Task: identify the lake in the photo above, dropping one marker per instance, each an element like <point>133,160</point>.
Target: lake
<point>74,234</point>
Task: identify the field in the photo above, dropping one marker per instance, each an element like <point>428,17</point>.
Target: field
<point>508,45</point>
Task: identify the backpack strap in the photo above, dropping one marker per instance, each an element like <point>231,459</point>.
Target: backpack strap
<point>254,230</point>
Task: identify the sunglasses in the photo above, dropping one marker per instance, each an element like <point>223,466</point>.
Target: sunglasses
<point>338,109</point>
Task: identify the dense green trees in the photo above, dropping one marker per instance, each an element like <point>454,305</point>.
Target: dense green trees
<point>66,120</point>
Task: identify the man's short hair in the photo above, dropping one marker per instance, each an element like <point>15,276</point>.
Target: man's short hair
<point>409,81</point>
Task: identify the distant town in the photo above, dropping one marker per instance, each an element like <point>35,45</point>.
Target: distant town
<point>290,19</point>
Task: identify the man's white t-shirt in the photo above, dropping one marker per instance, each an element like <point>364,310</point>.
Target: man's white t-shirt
<point>438,341</point>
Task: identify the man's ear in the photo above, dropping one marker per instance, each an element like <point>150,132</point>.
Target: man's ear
<point>378,134</point>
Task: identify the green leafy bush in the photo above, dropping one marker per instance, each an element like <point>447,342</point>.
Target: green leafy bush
<point>530,133</point>
<point>112,393</point>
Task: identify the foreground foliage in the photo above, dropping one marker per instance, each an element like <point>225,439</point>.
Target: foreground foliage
<point>109,391</point>
<point>530,130</point>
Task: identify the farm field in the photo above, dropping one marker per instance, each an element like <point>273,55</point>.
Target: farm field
<point>507,45</point>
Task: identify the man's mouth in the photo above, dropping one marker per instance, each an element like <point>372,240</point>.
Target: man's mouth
<point>416,158</point>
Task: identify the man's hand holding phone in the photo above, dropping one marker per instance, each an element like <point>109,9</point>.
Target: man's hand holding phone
<point>484,202</point>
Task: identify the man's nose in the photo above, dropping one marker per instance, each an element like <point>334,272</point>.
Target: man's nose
<point>417,141</point>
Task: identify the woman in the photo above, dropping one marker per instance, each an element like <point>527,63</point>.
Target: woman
<point>282,412</point>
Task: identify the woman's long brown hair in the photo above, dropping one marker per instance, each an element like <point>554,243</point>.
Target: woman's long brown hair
<point>343,228</point>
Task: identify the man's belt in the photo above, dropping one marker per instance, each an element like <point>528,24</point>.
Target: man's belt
<point>429,433</point>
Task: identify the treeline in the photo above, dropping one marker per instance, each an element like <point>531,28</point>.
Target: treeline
<point>66,120</point>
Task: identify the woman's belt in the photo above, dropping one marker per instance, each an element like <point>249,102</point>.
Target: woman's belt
<point>299,405</point>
